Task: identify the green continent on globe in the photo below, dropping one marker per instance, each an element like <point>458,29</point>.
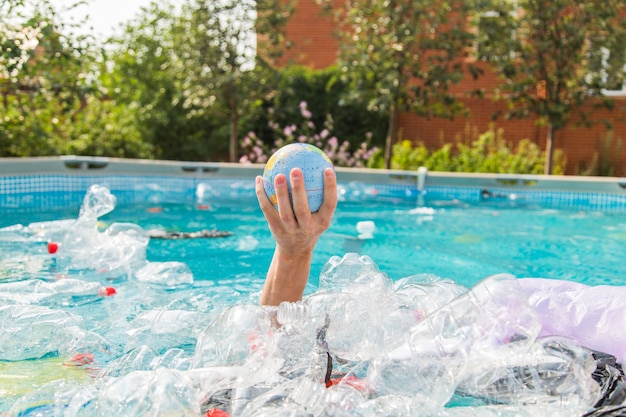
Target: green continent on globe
<point>310,159</point>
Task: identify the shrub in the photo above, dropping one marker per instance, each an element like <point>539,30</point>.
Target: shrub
<point>324,94</point>
<point>488,153</point>
<point>255,150</point>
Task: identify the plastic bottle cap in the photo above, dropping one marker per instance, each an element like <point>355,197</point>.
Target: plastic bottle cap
<point>53,247</point>
<point>216,412</point>
<point>80,359</point>
<point>351,380</point>
<point>107,291</point>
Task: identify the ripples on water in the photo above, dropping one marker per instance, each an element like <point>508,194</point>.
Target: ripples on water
<point>90,330</point>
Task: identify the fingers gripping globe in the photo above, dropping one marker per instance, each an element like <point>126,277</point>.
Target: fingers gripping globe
<point>310,159</point>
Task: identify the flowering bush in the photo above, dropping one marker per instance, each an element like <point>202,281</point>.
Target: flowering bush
<point>255,150</point>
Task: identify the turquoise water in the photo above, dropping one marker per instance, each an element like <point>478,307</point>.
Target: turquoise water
<point>462,241</point>
<point>452,239</point>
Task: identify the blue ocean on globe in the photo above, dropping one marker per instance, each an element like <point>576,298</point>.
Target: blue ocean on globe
<point>310,159</point>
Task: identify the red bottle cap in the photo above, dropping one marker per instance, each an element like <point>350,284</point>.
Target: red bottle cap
<point>216,412</point>
<point>107,291</point>
<point>53,247</point>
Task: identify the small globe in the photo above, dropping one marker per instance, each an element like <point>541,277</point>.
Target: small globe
<point>310,159</point>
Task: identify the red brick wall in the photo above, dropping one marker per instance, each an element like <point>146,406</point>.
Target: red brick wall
<point>314,45</point>
<point>579,144</point>
<point>310,33</point>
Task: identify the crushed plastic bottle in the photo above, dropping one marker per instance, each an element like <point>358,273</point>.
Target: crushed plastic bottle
<point>353,273</point>
<point>427,362</point>
<point>169,274</point>
<point>150,393</point>
<point>68,292</point>
<point>492,313</point>
<point>551,370</point>
<point>31,332</point>
<point>161,329</point>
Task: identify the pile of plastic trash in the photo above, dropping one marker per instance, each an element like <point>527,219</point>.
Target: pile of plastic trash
<point>97,330</point>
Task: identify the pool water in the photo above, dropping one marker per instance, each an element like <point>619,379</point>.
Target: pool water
<point>465,242</point>
<point>52,339</point>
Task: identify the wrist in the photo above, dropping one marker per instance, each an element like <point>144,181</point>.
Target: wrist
<point>293,255</point>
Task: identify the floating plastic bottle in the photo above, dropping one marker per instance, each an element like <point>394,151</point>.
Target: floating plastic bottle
<point>32,332</point>
<point>428,361</point>
<point>297,397</point>
<point>61,293</point>
<point>366,229</point>
<point>353,273</point>
<point>150,393</point>
<point>552,370</point>
<point>169,274</point>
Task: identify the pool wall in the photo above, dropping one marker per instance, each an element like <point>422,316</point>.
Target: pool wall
<point>35,184</point>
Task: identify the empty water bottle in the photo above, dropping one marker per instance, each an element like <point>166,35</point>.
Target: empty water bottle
<point>428,362</point>
<point>553,370</point>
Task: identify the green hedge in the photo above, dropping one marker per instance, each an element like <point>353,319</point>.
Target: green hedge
<point>324,95</point>
<point>489,153</point>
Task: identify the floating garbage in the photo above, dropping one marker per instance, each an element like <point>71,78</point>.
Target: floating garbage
<point>156,343</point>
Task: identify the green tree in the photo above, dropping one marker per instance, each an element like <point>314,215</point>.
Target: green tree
<point>404,55</point>
<point>144,76</point>
<point>190,73</point>
<point>223,61</point>
<point>51,98</point>
<point>44,79</point>
<point>554,57</point>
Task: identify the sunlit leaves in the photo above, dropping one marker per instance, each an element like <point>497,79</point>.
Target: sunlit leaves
<point>558,56</point>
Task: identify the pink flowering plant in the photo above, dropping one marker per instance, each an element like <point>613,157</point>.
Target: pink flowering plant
<point>255,150</point>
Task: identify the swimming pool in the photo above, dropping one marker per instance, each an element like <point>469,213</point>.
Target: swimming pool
<point>184,316</point>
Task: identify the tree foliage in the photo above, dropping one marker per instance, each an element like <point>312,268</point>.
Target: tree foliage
<point>556,56</point>
<point>192,73</point>
<point>51,100</point>
<point>404,55</point>
<point>324,92</point>
<point>488,152</point>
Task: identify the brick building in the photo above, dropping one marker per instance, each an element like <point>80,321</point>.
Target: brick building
<point>314,45</point>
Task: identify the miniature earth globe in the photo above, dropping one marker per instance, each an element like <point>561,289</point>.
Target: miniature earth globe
<point>310,159</point>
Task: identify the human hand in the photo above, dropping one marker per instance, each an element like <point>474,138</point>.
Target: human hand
<point>295,229</point>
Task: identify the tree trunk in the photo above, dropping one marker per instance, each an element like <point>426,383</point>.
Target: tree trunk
<point>392,132</point>
<point>549,150</point>
<point>234,140</point>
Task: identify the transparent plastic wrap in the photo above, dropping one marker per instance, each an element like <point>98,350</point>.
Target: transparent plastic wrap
<point>552,370</point>
<point>31,332</point>
<point>584,313</point>
<point>426,364</point>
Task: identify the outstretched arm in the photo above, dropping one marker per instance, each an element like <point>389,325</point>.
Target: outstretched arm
<point>296,232</point>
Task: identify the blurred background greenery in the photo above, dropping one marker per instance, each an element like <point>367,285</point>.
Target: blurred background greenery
<point>199,81</point>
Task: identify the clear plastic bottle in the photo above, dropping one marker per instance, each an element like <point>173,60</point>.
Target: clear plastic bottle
<point>552,371</point>
<point>428,362</point>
